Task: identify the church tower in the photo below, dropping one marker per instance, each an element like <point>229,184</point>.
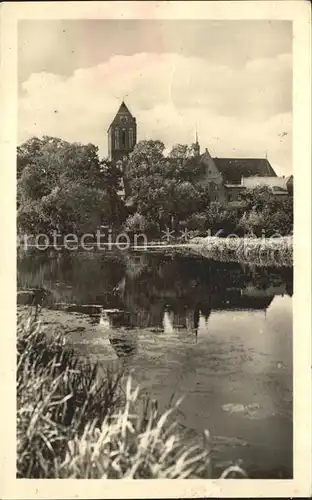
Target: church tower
<point>122,134</point>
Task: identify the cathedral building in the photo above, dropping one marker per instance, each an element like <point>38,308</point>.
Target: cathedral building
<point>226,178</point>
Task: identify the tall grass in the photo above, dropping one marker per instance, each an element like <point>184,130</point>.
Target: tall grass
<point>276,252</point>
<point>74,423</point>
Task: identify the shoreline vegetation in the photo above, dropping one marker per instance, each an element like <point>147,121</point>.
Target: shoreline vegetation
<point>264,252</point>
<point>248,250</point>
<point>258,251</point>
<point>74,421</point>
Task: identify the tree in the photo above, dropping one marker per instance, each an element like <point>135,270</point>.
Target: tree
<point>181,151</point>
<point>39,166</point>
<point>35,147</point>
<point>260,197</point>
<point>31,219</point>
<point>76,209</point>
<point>137,223</point>
<point>162,188</point>
<point>197,222</point>
<point>146,158</point>
<point>67,186</point>
<point>185,165</point>
<point>266,213</point>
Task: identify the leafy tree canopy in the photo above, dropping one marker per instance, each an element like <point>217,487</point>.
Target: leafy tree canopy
<point>65,186</point>
<point>163,187</point>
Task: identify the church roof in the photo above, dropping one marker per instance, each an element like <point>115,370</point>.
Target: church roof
<point>123,109</point>
<point>233,169</point>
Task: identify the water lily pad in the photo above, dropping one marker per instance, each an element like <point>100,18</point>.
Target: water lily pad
<point>233,407</point>
<point>249,410</point>
<point>252,407</point>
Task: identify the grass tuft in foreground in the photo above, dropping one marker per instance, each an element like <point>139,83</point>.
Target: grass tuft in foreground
<point>72,423</point>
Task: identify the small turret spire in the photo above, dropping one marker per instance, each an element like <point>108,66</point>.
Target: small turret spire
<point>196,145</point>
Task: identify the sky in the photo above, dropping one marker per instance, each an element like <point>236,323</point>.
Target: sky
<point>232,80</point>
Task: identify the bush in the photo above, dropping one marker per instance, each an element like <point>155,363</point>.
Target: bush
<point>197,222</point>
<point>267,224</point>
<point>252,223</point>
<point>137,223</point>
<point>267,213</point>
<point>278,223</point>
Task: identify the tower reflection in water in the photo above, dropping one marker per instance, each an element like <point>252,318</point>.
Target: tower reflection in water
<point>187,320</point>
<point>177,298</point>
<point>113,323</point>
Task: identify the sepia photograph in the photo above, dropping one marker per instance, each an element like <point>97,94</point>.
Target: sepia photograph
<point>155,198</point>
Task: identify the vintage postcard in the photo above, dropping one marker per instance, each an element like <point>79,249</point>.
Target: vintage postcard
<point>156,259</point>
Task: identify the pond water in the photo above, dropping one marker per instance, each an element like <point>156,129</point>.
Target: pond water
<point>218,333</point>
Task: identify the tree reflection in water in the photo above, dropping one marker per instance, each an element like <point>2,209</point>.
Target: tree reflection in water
<point>160,293</point>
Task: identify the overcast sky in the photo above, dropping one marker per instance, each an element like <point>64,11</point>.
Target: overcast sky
<point>231,79</point>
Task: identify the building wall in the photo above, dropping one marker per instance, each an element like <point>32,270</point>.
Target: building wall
<point>234,192</point>
<point>212,179</point>
<point>122,136</point>
<point>277,184</point>
<point>282,195</point>
<point>251,182</point>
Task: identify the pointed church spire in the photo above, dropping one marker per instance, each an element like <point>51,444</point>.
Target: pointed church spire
<point>123,108</point>
<point>196,135</point>
<point>196,145</point>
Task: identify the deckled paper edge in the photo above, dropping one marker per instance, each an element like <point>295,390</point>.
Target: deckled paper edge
<point>299,13</point>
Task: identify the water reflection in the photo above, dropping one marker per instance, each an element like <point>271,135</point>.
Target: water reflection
<point>144,291</point>
<point>122,341</point>
<point>149,291</point>
<point>221,334</point>
<point>174,295</point>
<point>186,319</point>
<point>123,347</point>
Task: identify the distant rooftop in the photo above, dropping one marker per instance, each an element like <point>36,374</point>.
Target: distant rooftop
<point>233,169</point>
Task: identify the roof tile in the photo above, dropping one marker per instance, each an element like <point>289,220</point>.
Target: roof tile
<point>233,169</point>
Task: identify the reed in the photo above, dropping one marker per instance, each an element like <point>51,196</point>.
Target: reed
<point>276,252</point>
<point>74,423</point>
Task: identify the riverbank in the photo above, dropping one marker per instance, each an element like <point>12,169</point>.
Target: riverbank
<point>266,252</point>
<point>73,422</point>
<point>258,251</point>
